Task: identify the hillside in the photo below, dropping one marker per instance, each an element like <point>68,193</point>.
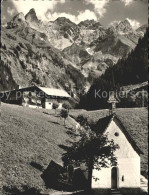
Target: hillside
<point>29,136</point>
<point>49,53</point>
<point>134,68</point>
<point>26,61</point>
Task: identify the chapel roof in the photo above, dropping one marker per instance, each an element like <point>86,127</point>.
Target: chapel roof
<point>103,123</point>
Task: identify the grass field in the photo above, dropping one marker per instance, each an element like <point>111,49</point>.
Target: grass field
<point>27,136</point>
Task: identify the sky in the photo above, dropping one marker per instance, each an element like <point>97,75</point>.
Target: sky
<point>104,11</point>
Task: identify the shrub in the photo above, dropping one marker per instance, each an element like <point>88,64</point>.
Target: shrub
<point>55,106</point>
<point>64,115</point>
<point>81,119</point>
<point>67,106</point>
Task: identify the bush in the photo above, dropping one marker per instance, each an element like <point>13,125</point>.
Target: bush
<point>67,106</point>
<point>81,119</point>
<point>64,114</point>
<point>55,106</point>
<point>85,122</point>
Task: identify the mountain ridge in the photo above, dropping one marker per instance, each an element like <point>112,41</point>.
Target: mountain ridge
<point>31,46</point>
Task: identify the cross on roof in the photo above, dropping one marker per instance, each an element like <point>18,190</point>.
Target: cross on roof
<point>113,99</point>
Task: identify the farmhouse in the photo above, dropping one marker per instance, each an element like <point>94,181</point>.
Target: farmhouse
<point>35,96</point>
<point>126,174</point>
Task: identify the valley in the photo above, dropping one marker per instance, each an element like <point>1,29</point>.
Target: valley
<point>61,53</point>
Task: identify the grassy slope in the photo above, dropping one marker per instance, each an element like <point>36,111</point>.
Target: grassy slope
<point>29,135</point>
<point>135,121</point>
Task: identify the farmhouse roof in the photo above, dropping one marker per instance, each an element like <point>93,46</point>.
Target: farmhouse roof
<point>47,91</point>
<point>54,92</point>
<point>103,124</point>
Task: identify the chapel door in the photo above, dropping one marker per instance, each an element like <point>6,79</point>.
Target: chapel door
<point>114,178</point>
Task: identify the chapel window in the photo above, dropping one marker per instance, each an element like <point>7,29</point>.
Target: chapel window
<point>123,178</point>
<point>116,134</point>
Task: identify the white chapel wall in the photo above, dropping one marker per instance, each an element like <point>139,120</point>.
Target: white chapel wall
<point>128,163</point>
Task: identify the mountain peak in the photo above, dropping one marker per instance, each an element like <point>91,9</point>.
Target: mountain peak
<point>31,16</point>
<point>124,26</point>
<point>32,10</point>
<point>126,21</point>
<point>142,28</point>
<point>62,20</point>
<point>19,16</point>
<point>17,20</point>
<point>89,21</point>
<point>89,24</point>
